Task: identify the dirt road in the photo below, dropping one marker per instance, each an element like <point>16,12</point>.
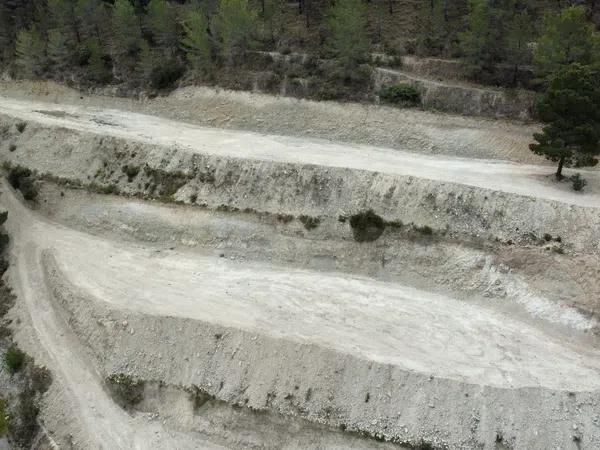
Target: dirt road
<point>104,424</point>
<point>277,324</point>
<point>523,179</point>
<point>384,322</point>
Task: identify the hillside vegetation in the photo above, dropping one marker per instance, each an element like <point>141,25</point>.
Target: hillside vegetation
<point>156,42</point>
<point>159,44</point>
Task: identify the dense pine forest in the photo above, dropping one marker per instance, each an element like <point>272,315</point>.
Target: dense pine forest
<point>157,42</point>
<point>549,47</point>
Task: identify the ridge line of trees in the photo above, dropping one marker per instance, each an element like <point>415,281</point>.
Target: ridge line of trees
<point>153,43</point>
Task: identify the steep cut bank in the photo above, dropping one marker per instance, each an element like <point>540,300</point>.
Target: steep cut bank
<point>405,129</point>
<point>378,358</point>
<point>216,288</point>
<point>150,156</point>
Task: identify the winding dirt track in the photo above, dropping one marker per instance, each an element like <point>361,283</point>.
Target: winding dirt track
<point>502,176</point>
<point>106,425</point>
<point>414,330</point>
<point>384,322</point>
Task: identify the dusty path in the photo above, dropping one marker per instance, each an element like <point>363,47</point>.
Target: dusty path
<point>104,424</point>
<point>530,180</point>
<point>383,322</point>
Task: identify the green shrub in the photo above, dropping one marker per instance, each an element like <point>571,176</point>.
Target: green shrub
<point>40,378</point>
<point>131,172</point>
<point>165,76</point>
<point>310,223</point>
<point>29,189</point>
<point>367,226</point>
<point>21,178</point>
<point>125,390</point>
<point>284,218</point>
<point>425,230</point>
<point>12,147</point>
<point>3,418</point>
<point>402,94</point>
<point>16,174</point>
<point>14,359</point>
<point>21,126</point>
<point>24,429</point>
<point>578,182</point>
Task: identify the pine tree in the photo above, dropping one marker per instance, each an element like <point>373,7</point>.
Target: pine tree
<point>432,29</point>
<point>349,42</point>
<point>195,41</point>
<point>567,38</point>
<point>94,19</point>
<point>59,52</point>
<point>570,107</point>
<point>482,43</point>
<point>271,16</point>
<point>97,67</point>
<point>63,19</point>
<point>161,21</point>
<point>6,33</point>
<point>520,34</point>
<point>235,23</point>
<point>146,63</point>
<point>127,37</point>
<point>30,52</point>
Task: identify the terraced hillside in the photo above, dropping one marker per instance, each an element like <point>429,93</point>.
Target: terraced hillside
<point>194,277</point>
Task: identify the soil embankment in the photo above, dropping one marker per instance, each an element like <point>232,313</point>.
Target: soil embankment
<point>260,304</point>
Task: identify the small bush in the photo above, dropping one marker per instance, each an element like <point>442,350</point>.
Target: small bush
<point>24,429</point>
<point>164,77</point>
<point>578,182</point>
<point>21,126</point>
<point>402,94</point>
<point>3,418</point>
<point>367,226</point>
<point>126,390</point>
<point>14,359</point>
<point>40,378</point>
<point>284,218</point>
<point>29,189</point>
<point>131,172</point>
<point>425,230</point>
<point>16,174</point>
<point>310,223</point>
<point>21,178</point>
<point>12,147</point>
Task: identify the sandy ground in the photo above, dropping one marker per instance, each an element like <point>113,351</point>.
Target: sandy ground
<point>422,333</point>
<point>106,425</point>
<point>502,176</point>
<point>413,130</point>
<point>77,289</point>
<point>384,322</point>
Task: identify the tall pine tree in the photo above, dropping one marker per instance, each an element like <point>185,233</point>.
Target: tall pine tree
<point>481,43</point>
<point>30,52</point>
<point>161,22</point>
<point>567,37</point>
<point>570,108</point>
<point>126,39</point>
<point>349,42</point>
<point>195,41</point>
<point>235,23</point>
